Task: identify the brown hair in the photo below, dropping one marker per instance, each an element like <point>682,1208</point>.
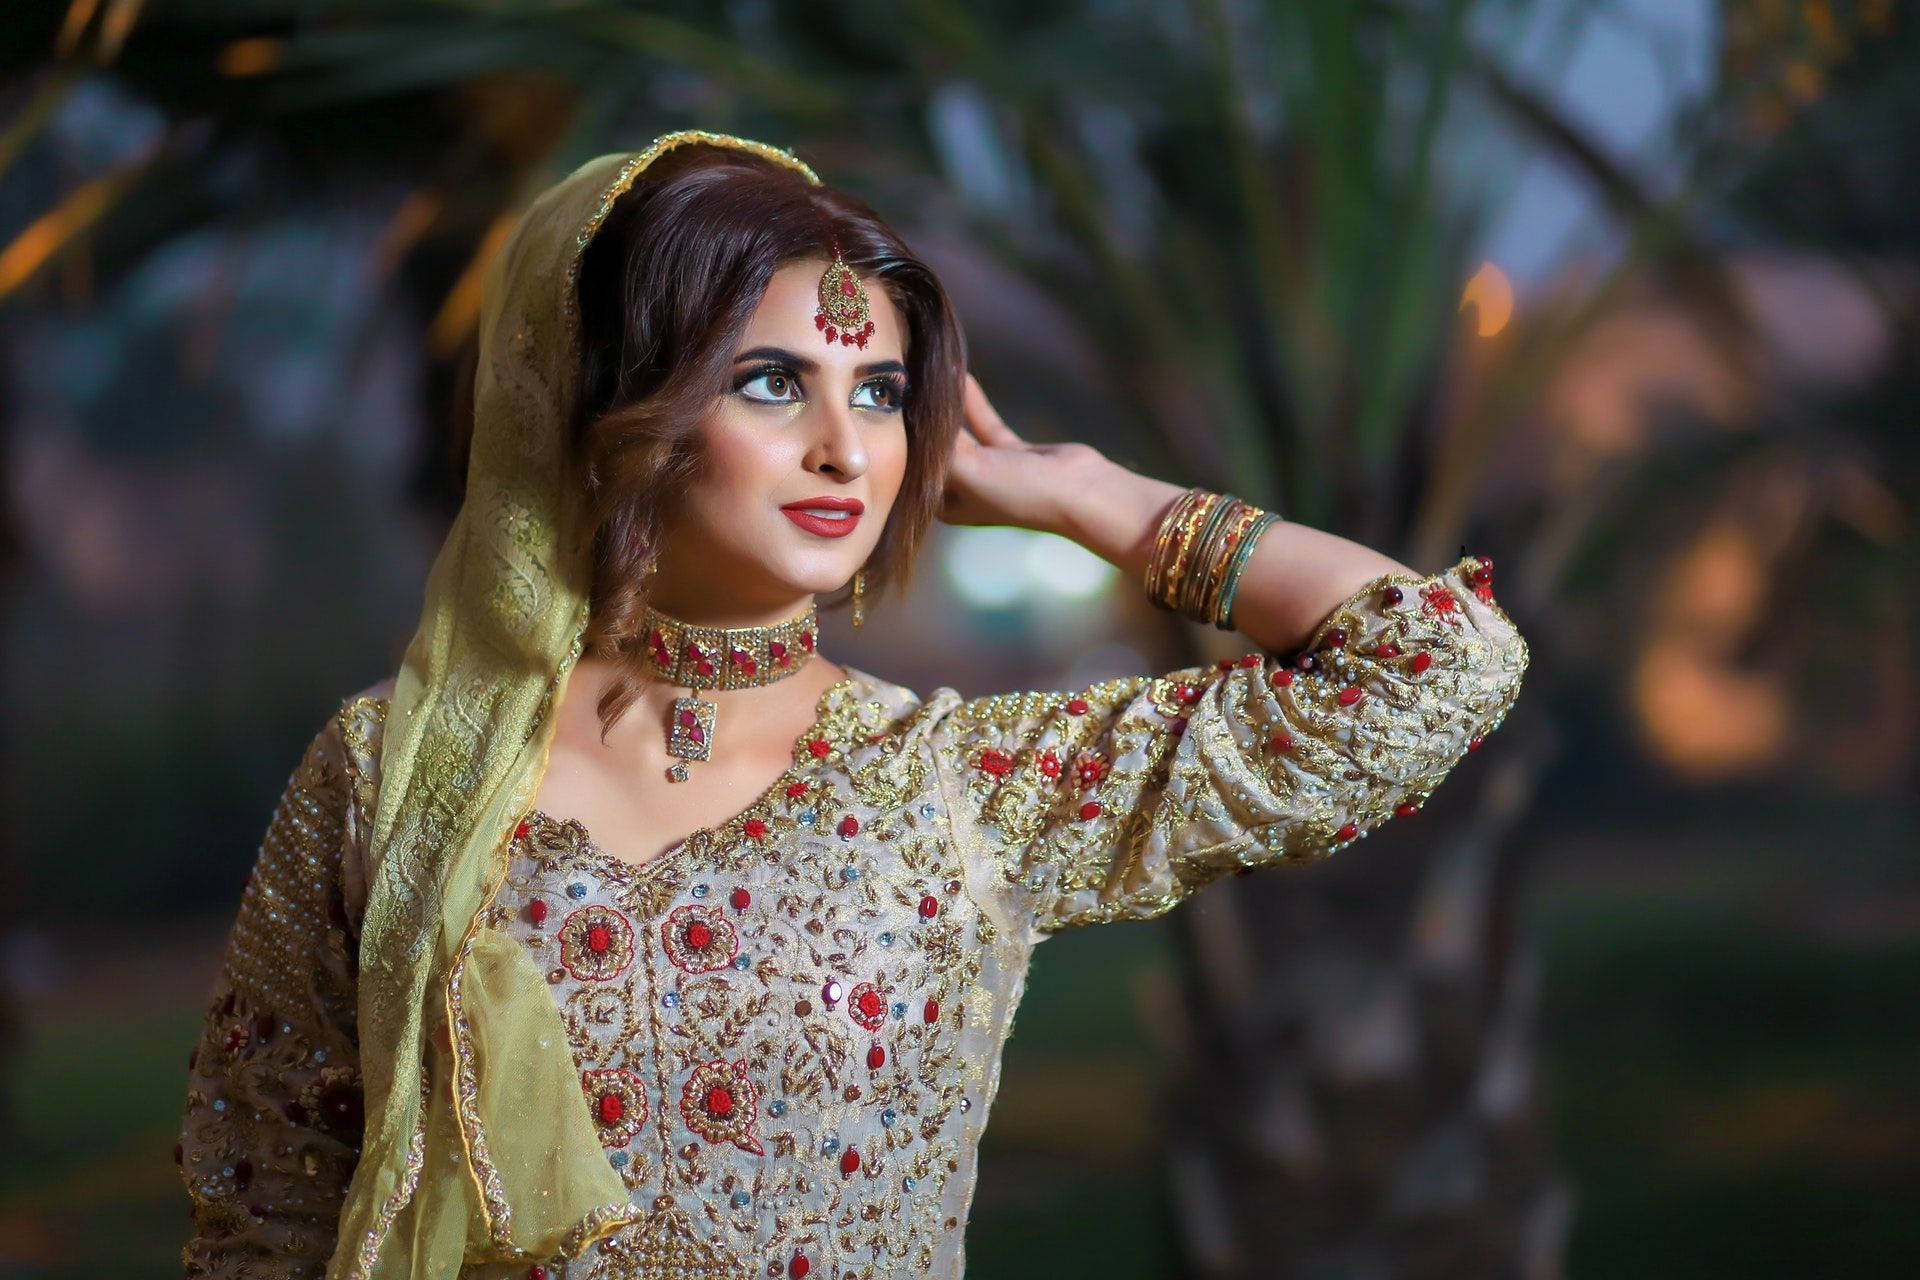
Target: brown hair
<point>666,289</point>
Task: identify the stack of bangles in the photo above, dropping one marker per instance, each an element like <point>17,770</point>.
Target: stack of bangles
<point>1202,545</point>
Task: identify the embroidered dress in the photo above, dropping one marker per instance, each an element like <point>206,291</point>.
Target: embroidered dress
<point>788,1028</point>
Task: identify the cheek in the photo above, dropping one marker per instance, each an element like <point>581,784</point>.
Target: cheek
<point>737,460</point>
<point>890,459</point>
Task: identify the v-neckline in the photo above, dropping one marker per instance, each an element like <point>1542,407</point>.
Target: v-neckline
<point>801,758</point>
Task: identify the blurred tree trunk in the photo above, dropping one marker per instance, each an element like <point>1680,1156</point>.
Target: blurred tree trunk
<point>1353,1089</point>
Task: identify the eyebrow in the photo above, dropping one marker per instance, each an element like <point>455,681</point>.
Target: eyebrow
<point>805,365</point>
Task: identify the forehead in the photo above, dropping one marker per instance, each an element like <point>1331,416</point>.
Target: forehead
<point>792,298</point>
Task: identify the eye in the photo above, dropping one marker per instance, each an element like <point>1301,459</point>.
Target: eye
<point>892,394</point>
<point>781,383</point>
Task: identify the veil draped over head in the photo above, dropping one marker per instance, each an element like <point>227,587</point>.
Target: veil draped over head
<point>478,1145</point>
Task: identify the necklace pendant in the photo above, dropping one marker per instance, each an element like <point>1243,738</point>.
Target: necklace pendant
<point>690,736</point>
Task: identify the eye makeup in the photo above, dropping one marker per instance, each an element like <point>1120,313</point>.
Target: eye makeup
<point>892,386</point>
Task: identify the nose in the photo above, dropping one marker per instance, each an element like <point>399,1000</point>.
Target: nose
<point>836,448</point>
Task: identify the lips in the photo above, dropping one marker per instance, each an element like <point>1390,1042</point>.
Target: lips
<point>827,517</point>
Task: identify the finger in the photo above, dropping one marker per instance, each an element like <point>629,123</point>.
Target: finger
<point>987,424</point>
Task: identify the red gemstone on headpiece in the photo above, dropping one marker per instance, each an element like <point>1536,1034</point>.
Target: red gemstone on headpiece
<point>848,288</point>
<point>829,333</point>
<point>688,718</point>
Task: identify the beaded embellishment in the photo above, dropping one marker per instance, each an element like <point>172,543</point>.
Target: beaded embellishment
<point>719,658</point>
<point>842,316</point>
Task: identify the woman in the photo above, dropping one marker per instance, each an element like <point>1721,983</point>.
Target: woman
<point>622,933</point>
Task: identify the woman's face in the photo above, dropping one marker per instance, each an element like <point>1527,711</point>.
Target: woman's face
<point>805,420</point>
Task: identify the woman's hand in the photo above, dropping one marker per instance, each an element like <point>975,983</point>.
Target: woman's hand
<point>995,477</point>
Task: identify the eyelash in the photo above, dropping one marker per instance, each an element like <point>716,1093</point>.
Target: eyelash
<point>896,386</point>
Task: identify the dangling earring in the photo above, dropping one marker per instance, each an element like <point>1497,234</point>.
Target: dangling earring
<point>859,589</point>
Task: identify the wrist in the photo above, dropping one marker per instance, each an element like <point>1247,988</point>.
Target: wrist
<point>1111,510</point>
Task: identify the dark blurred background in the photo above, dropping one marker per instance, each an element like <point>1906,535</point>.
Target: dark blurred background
<point>1618,292</point>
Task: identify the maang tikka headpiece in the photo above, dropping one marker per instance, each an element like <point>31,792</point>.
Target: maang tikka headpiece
<point>842,315</point>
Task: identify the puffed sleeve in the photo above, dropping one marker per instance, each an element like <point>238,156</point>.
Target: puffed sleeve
<point>272,1124</point>
<point>1118,800</point>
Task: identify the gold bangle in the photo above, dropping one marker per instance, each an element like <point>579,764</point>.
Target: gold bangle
<point>1245,516</point>
<point>1189,563</point>
<point>1160,561</point>
<point>1199,580</point>
<point>1185,524</point>
<point>1242,554</point>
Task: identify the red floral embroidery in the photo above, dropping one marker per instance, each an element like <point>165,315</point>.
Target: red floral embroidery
<point>868,1006</point>
<point>721,1104</point>
<point>618,1103</point>
<point>1088,768</point>
<point>1049,763</point>
<point>996,761</point>
<point>1440,602</point>
<point>596,944</point>
<point>755,827</point>
<point>699,938</point>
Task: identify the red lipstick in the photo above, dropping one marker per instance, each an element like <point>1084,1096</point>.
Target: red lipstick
<point>821,515</point>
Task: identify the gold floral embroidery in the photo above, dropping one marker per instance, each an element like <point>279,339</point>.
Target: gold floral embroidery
<point>618,1102</point>
<point>596,944</point>
<point>721,1103</point>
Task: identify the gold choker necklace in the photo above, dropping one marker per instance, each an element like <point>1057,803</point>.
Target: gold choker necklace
<point>719,658</point>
